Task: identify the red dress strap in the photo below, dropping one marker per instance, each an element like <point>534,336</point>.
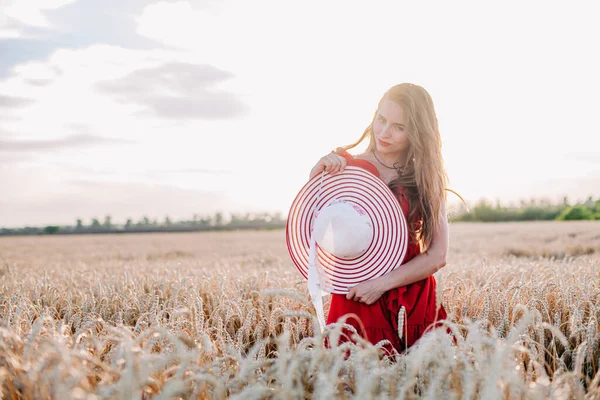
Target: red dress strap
<point>358,162</point>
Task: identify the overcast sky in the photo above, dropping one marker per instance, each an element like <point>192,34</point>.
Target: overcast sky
<point>134,108</point>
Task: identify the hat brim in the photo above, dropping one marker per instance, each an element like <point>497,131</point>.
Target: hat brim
<point>390,231</point>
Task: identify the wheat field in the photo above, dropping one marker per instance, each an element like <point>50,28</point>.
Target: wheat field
<point>216,315</point>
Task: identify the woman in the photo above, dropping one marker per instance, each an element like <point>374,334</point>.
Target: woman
<point>405,152</point>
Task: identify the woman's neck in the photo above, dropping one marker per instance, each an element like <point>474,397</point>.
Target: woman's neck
<point>389,159</point>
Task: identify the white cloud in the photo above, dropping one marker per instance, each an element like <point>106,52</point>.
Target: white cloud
<point>178,90</point>
<point>9,33</point>
<point>19,13</point>
<point>69,93</point>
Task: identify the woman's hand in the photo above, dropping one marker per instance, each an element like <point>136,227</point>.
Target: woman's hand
<point>367,292</point>
<point>332,163</point>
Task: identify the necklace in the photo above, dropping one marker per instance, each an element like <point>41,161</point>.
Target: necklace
<point>399,170</point>
<point>379,161</point>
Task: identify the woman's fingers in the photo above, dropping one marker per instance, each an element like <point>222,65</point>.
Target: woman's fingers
<point>342,164</point>
<point>350,294</point>
<point>331,163</point>
<point>318,168</point>
<point>336,163</point>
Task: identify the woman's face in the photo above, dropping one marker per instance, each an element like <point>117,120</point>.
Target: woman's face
<point>389,128</point>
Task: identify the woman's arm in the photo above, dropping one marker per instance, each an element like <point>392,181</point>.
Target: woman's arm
<point>425,264</point>
<point>420,267</point>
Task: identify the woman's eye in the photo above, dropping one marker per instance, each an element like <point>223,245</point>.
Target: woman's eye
<point>399,128</point>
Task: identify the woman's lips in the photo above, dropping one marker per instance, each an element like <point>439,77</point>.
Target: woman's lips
<point>382,143</point>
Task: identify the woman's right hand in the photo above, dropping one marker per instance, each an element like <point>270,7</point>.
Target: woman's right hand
<point>332,163</point>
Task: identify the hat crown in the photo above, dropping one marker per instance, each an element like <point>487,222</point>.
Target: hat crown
<point>343,229</point>
<point>341,262</point>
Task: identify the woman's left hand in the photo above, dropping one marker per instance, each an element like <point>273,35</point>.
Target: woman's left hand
<point>367,292</point>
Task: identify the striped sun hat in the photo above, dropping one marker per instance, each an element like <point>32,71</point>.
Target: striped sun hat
<point>345,229</point>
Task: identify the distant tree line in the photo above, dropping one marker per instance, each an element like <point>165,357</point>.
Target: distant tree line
<point>216,221</point>
<point>483,211</point>
<point>534,210</point>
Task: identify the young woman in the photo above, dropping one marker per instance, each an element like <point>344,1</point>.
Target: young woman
<point>405,152</point>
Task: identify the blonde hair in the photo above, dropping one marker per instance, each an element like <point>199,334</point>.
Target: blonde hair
<point>423,175</point>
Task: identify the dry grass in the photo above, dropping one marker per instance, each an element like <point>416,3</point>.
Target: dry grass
<point>225,314</point>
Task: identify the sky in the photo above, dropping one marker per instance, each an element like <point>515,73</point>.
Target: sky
<point>156,108</point>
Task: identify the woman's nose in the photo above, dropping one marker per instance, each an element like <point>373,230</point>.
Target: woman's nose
<point>385,131</point>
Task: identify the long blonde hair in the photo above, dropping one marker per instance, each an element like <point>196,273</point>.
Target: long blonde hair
<point>423,175</point>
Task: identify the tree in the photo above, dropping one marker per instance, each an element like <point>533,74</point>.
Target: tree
<point>144,222</point>
<point>575,213</point>
<point>128,224</point>
<point>95,223</point>
<point>218,219</point>
<point>107,222</point>
<point>278,217</point>
<point>235,219</point>
<point>79,225</point>
<point>51,229</point>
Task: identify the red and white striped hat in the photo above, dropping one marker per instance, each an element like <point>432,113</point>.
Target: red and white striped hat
<point>355,225</point>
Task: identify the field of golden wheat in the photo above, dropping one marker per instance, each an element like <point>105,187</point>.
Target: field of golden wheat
<point>217,315</point>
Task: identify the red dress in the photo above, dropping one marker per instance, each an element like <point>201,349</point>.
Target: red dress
<point>380,319</point>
